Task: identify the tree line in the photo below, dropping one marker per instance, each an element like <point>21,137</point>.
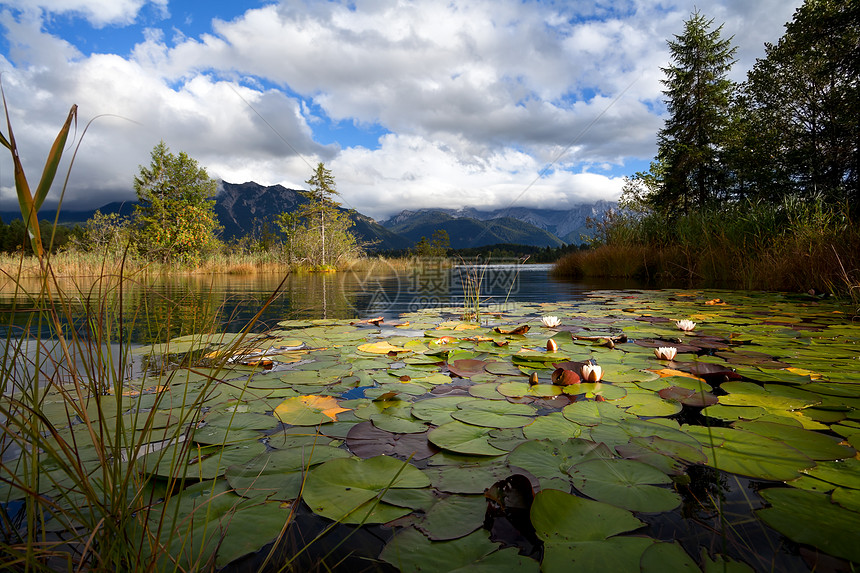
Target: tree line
<point>789,132</point>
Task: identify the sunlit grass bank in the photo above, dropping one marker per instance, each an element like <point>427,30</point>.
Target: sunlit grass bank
<point>789,248</point>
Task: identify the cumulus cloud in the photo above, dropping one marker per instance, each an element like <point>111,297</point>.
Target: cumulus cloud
<point>473,98</point>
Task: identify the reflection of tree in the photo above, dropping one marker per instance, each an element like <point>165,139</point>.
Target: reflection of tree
<point>318,295</point>
<point>177,306</point>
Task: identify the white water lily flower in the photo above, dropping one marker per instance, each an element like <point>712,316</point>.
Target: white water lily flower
<point>666,352</point>
<point>591,372</point>
<point>550,321</point>
<point>686,325</point>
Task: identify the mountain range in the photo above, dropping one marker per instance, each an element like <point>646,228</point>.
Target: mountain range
<point>249,208</point>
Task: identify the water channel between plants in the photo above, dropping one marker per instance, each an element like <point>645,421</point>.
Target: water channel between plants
<point>377,410</point>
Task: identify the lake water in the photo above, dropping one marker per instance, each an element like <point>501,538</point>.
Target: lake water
<point>175,306</point>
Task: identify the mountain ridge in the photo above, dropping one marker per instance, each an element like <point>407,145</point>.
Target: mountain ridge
<point>251,208</point>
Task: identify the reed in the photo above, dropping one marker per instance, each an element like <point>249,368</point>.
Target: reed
<point>793,246</point>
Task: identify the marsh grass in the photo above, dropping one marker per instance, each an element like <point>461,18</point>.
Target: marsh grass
<point>793,247</point>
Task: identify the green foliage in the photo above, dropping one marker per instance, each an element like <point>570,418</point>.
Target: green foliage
<point>692,138</point>
<point>800,105</point>
<point>28,202</point>
<point>437,246</point>
<point>175,220</point>
<point>14,237</point>
<point>318,234</point>
<point>106,233</point>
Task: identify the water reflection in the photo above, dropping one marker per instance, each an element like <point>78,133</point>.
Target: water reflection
<point>155,310</point>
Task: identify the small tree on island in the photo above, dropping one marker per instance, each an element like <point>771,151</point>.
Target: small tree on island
<point>175,219</point>
<point>318,233</point>
<point>437,246</point>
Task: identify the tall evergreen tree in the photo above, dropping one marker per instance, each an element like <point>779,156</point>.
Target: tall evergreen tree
<point>321,207</point>
<point>803,103</point>
<point>698,98</point>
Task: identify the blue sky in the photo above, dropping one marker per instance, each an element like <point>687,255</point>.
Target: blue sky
<point>412,104</point>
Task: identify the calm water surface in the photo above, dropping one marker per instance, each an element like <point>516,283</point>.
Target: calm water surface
<point>176,306</point>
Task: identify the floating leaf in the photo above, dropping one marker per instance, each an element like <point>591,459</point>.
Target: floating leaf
<point>808,517</point>
<point>750,454</point>
<point>344,489</point>
<point>382,347</point>
<point>366,440</point>
<point>464,438</point>
<point>308,410</point>
<point>410,550</point>
<point>453,517</point>
<point>278,474</point>
<point>625,483</point>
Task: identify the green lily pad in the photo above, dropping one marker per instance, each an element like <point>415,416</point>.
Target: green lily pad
<point>278,474</point>
<point>553,426</point>
<point>410,550</point>
<point>844,472</point>
<point>494,413</point>
<point>750,454</point>
<point>808,517</point>
<point>453,517</point>
<point>346,489</point>
<point>464,438</point>
<point>661,557</point>
<point>577,534</point>
<point>625,483</point>
<point>549,460</point>
<point>816,446</point>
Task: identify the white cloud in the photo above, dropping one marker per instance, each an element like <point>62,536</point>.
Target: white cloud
<point>478,96</point>
<point>98,13</point>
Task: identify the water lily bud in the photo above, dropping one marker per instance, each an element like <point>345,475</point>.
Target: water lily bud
<point>533,379</point>
<point>591,372</point>
<point>551,345</point>
<point>665,352</point>
<point>564,377</point>
<point>686,325</point>
<point>550,321</point>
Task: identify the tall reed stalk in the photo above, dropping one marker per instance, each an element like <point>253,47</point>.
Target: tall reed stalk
<point>76,430</point>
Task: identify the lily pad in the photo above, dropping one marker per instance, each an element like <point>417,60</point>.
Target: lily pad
<point>410,550</point>
<point>577,534</point>
<point>464,438</point>
<point>345,490</point>
<point>625,483</point>
<point>750,454</point>
<point>808,517</point>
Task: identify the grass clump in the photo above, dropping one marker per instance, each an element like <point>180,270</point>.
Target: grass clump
<point>792,246</point>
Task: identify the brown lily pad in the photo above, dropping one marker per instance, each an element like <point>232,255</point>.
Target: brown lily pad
<point>366,441</point>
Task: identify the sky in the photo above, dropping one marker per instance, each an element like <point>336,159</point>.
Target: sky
<point>411,104</point>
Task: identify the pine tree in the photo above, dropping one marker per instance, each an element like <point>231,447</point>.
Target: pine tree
<point>698,96</point>
<point>320,208</point>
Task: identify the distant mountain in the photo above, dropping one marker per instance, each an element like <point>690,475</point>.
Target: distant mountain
<point>466,232</point>
<point>244,208</point>
<point>568,225</point>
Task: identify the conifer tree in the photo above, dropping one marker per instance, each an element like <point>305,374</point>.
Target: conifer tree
<point>698,97</point>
